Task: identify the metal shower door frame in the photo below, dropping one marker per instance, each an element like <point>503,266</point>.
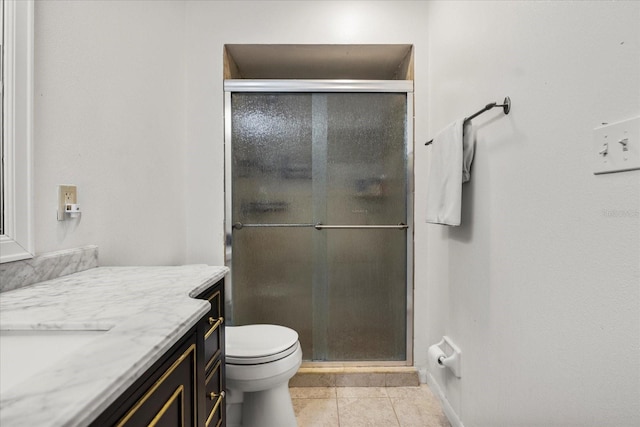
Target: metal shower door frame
<point>319,86</point>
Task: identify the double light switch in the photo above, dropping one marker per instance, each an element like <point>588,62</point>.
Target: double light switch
<point>617,147</point>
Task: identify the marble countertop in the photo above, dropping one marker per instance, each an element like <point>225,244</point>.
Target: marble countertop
<point>144,311</point>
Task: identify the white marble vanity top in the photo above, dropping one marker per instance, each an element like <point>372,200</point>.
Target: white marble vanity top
<point>144,310</point>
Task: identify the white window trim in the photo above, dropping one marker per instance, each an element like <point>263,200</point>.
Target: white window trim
<point>17,243</point>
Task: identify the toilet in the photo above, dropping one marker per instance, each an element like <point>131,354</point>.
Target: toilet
<point>260,360</point>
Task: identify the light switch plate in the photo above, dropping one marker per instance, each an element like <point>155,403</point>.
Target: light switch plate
<point>616,147</point>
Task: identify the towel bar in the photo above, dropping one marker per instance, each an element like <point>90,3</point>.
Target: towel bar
<point>506,107</point>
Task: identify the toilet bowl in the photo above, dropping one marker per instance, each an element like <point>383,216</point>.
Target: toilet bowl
<point>260,360</point>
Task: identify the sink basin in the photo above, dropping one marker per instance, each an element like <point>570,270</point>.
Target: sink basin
<point>24,353</point>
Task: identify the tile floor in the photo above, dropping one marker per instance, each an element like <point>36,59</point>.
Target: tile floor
<point>367,407</point>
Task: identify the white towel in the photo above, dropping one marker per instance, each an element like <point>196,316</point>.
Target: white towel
<point>451,156</point>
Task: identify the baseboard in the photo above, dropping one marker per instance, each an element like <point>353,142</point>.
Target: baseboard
<point>451,415</point>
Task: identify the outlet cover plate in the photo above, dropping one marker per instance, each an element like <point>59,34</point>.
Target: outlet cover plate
<point>619,157</point>
<point>67,194</point>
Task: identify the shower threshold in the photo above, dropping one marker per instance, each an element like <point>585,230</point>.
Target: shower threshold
<point>332,374</point>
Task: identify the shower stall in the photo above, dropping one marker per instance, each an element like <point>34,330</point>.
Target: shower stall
<point>318,200</point>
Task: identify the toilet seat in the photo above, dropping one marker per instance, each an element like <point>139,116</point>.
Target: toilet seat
<point>258,344</point>
<point>234,360</point>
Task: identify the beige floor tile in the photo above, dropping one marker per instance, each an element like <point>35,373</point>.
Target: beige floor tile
<point>361,392</point>
<point>366,412</point>
<point>413,413</point>
<point>316,412</point>
<point>420,394</point>
<point>312,392</point>
<point>367,407</point>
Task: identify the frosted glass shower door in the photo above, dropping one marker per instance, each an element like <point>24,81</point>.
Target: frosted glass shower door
<point>366,268</point>
<point>271,176</point>
<point>319,207</point>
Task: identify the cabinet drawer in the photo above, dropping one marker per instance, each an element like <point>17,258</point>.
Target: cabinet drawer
<point>171,399</point>
<point>213,329</point>
<point>214,396</point>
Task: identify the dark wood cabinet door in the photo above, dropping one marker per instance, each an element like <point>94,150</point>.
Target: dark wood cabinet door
<point>170,401</point>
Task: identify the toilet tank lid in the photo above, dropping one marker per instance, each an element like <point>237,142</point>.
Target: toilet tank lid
<point>258,340</point>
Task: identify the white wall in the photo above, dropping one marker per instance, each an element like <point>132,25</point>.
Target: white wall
<point>540,286</point>
<point>110,118</point>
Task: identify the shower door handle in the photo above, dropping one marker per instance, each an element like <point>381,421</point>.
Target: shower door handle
<point>399,226</point>
<point>318,226</point>
<point>240,226</point>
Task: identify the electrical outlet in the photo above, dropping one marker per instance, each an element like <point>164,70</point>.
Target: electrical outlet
<point>67,195</point>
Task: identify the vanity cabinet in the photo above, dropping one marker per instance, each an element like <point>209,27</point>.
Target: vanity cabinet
<point>212,329</point>
<point>185,387</point>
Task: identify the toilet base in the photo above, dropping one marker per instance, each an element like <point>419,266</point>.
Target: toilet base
<point>267,408</point>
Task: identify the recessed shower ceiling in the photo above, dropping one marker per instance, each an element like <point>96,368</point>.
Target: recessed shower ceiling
<point>363,62</point>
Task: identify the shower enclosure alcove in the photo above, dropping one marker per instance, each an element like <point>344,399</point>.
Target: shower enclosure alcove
<point>318,177</point>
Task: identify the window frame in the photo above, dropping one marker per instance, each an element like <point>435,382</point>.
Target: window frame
<point>17,242</point>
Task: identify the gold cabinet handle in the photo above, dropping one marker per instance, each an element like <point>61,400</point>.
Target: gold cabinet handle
<point>216,405</point>
<point>214,396</point>
<point>213,321</point>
